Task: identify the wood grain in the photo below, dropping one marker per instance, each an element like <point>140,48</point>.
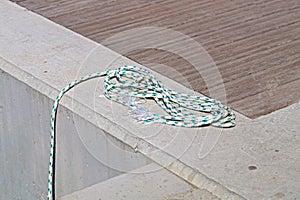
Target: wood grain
<point>255,44</point>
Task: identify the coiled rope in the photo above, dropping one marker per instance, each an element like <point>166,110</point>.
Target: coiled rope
<point>126,83</point>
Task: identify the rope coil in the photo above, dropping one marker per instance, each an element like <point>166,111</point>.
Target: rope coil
<point>126,84</point>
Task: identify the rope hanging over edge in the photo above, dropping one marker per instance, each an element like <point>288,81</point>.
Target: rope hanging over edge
<point>125,84</point>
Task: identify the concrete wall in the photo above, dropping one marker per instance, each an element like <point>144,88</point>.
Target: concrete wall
<point>24,146</point>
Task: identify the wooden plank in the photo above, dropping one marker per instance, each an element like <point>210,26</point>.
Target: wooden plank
<point>255,44</point>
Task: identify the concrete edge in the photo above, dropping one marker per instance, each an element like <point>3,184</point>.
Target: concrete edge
<point>164,159</point>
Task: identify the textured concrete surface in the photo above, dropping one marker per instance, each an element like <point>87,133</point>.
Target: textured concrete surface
<point>259,159</point>
<point>149,182</point>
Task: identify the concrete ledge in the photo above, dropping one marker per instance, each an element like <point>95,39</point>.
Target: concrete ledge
<point>46,57</point>
<point>140,184</point>
<point>24,144</point>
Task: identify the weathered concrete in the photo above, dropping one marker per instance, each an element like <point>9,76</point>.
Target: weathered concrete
<point>46,57</point>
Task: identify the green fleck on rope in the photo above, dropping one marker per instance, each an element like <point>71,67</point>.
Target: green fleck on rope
<point>125,84</point>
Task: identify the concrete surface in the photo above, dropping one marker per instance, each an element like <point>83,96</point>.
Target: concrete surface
<point>258,159</point>
<point>140,184</point>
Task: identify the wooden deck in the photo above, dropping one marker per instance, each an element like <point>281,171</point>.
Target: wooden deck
<point>255,44</point>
